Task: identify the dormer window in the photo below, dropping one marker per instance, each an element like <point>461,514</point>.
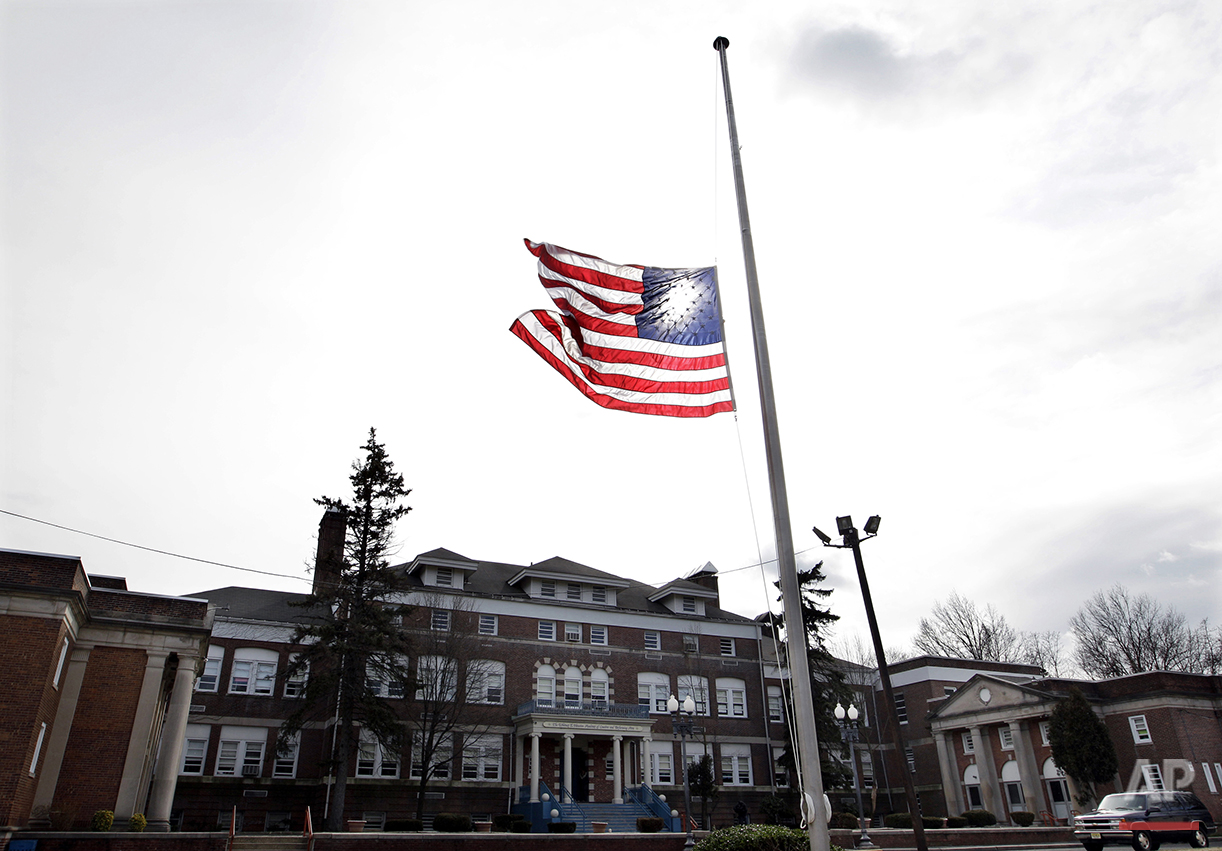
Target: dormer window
<point>598,594</point>
<point>689,605</point>
<point>574,591</point>
<point>445,577</point>
<point>547,588</point>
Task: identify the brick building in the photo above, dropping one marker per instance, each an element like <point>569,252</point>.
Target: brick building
<point>565,693</point>
<point>95,680</point>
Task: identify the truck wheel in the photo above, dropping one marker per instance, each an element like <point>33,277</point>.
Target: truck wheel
<point>1144,840</point>
<point>1199,838</point>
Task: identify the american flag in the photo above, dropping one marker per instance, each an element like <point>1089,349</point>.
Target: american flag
<point>633,338</point>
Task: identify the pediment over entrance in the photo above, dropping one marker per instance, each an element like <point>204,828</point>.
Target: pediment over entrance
<point>987,699</point>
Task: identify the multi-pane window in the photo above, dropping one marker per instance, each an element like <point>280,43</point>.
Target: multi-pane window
<point>384,676</point>
<point>241,751</point>
<point>1141,731</point>
<point>731,698</point>
<point>436,678</point>
<point>776,708</point>
<point>688,604</point>
<point>736,765</point>
<point>445,577</point>
<point>652,690</point>
<point>545,686</point>
<point>572,687</point>
<point>689,644</point>
<point>779,769</point>
<point>547,588</point>
<point>212,670</point>
<point>573,591</point>
<point>439,763</point>
<point>1153,776</point>
<point>481,759</point>
<point>867,770</point>
<point>547,630</point>
<point>969,744</point>
<point>285,764</point>
<point>441,620</point>
<point>193,752</point>
<point>661,768</point>
<point>485,681</point>
<point>1043,732</point>
<point>901,708</point>
<point>911,757</point>
<point>727,647</point>
<point>488,625</point>
<point>698,688</point>
<point>375,760</point>
<point>1007,738</point>
<point>295,684</point>
<point>572,632</point>
<point>598,594</point>
<point>599,688</point>
<point>598,635</point>
<point>653,640</point>
<point>254,671</point>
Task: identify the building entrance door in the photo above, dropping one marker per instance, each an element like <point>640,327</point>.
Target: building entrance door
<point>581,776</point>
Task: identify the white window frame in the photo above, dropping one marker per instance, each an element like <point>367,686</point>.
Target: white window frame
<point>698,688</point>
<point>901,707</point>
<point>286,766</point>
<point>598,635</point>
<point>776,705</point>
<point>444,577</point>
<point>545,686</point>
<point>662,765</point>
<point>254,672</point>
<point>573,591</point>
<point>194,749</point>
<point>209,680</point>
<point>42,735</point>
<point>779,769</point>
<point>736,765</point>
<point>239,748</point>
<point>687,604</point>
<point>867,769</point>
<point>436,679</point>
<point>443,758</point>
<point>653,690</point>
<point>572,633</point>
<point>728,647</point>
<point>486,682</point>
<point>440,620</point>
<point>1153,776</point>
<point>488,624</point>
<point>59,666</point>
<point>969,744</point>
<point>547,588</point>
<point>1140,729</point>
<point>653,640</point>
<point>1044,733</point>
<point>481,759</point>
<point>380,679</point>
<point>573,681</point>
<point>691,644</point>
<point>910,757</point>
<point>1006,735</point>
<point>731,698</point>
<point>598,594</point>
<point>1209,778</point>
<point>547,630</point>
<point>600,688</point>
<point>373,760</point>
<point>295,686</point>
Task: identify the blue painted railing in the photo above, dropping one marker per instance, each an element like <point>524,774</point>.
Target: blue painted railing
<point>649,799</point>
<point>585,707</point>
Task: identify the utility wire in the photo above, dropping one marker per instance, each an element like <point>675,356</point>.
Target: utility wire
<point>153,550</point>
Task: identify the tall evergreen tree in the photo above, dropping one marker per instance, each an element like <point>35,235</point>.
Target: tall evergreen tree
<point>1081,745</point>
<point>351,645</point>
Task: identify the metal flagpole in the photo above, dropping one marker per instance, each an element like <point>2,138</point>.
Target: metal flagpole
<point>795,632</point>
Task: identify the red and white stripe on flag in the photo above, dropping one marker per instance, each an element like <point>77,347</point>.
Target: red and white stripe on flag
<point>632,338</point>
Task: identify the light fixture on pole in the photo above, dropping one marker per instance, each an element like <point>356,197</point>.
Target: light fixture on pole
<point>681,724</point>
<point>847,722</point>
<point>852,541</point>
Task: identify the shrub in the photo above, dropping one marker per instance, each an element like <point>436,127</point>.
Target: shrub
<point>775,809</point>
<point>648,824</point>
<point>956,821</point>
<point>452,823</point>
<point>137,823</point>
<point>756,837</point>
<point>102,820</point>
<point>931,822</point>
<point>502,822</point>
<point>897,820</point>
<point>414,825</point>
<point>980,818</point>
<point>843,821</point>
<point>562,827</point>
<point>519,827</point>
<point>1023,819</point>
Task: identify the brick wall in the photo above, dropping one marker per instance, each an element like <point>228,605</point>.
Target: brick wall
<point>97,747</point>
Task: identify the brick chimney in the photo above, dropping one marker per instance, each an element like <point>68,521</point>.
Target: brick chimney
<point>330,558</point>
<point>707,577</point>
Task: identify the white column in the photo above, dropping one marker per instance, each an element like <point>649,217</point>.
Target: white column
<point>990,791</point>
<point>1028,771</point>
<point>568,768</point>
<point>534,767</point>
<point>646,766</point>
<point>165,778</point>
<point>139,740</point>
<point>70,692</point>
<point>949,768</point>
<point>617,784</point>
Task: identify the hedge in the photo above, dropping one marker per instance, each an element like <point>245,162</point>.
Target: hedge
<point>452,823</point>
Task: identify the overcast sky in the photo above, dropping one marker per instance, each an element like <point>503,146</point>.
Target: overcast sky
<point>238,234</point>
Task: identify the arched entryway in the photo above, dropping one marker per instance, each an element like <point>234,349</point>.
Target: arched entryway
<point>1058,790</point>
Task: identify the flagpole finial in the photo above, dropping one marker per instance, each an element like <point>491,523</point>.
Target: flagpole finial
<point>721,43</point>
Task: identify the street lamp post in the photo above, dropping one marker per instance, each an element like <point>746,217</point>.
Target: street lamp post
<point>852,541</point>
<point>681,724</point>
<point>849,733</point>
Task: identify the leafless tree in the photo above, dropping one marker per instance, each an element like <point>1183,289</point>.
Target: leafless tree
<point>1119,633</point>
<point>1047,651</point>
<point>961,630</point>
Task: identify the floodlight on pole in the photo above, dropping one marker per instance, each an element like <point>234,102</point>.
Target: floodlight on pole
<point>823,536</point>
<point>844,525</point>
<point>871,527</point>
